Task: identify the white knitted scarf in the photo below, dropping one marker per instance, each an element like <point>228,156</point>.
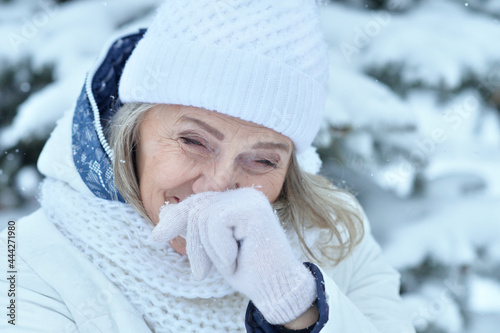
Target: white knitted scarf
<point>154,278</point>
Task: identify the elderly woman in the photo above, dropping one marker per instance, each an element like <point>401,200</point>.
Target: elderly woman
<point>181,195</point>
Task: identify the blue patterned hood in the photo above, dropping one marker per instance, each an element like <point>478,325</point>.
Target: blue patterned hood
<point>95,106</point>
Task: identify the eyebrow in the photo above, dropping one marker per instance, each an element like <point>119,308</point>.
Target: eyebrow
<point>271,145</point>
<point>218,135</point>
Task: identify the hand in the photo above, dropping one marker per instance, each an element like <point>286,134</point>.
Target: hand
<point>239,233</point>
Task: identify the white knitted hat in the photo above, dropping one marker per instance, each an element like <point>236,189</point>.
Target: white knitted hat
<point>262,61</point>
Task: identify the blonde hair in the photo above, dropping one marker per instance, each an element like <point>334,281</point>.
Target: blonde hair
<point>306,201</point>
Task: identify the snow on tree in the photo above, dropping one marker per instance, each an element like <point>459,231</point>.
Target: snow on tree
<point>411,124</point>
<point>47,48</point>
<point>414,109</point>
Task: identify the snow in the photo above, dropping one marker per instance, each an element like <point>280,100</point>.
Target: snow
<point>452,133</point>
<point>448,235</point>
<point>54,31</point>
<point>37,115</point>
<point>485,295</point>
<point>450,146</point>
<point>457,118</point>
<point>487,6</point>
<point>429,51</point>
<point>386,110</point>
<point>435,135</point>
<point>434,305</point>
<point>446,60</point>
<point>70,36</point>
<point>27,180</point>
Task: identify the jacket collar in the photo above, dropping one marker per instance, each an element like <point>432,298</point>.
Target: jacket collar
<point>96,105</point>
<point>95,304</point>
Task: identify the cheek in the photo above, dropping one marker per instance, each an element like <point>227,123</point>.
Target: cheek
<point>274,190</point>
<point>276,181</point>
<point>159,173</point>
<point>270,185</point>
<point>149,185</point>
<point>161,163</point>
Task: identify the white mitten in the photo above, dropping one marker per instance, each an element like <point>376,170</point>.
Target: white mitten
<point>239,233</point>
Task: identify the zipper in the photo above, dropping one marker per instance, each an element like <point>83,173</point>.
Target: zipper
<point>88,88</point>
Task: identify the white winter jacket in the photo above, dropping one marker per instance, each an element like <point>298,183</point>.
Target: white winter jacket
<point>361,292</point>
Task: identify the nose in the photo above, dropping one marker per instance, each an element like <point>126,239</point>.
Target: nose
<point>216,177</point>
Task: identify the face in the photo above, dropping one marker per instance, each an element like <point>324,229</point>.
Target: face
<point>186,150</point>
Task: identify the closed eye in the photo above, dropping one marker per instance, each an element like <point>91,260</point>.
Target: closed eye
<point>190,141</point>
<point>267,163</point>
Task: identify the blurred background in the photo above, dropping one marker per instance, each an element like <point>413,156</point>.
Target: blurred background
<point>412,127</point>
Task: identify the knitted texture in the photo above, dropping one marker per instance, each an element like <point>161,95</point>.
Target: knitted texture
<point>263,61</point>
<point>238,232</point>
<point>155,279</point>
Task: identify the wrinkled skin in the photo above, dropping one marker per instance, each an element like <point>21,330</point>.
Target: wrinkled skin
<point>186,150</point>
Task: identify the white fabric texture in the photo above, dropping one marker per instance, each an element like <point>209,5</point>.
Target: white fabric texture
<point>60,290</point>
<point>114,237</point>
<point>309,160</point>
<point>239,233</point>
<point>263,61</point>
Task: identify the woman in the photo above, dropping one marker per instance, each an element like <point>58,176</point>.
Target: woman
<point>177,196</point>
